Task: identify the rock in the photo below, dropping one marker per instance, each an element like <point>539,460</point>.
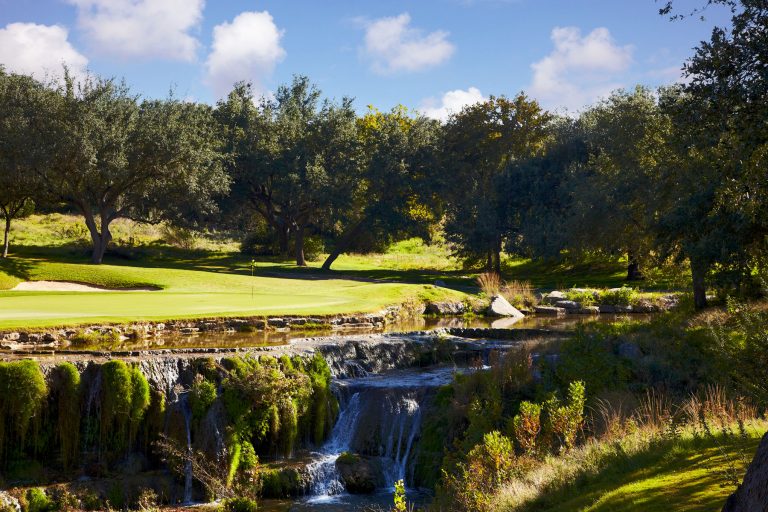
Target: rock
<point>357,473</point>
<point>549,310</point>
<point>553,297</point>
<point>588,310</point>
<point>630,350</point>
<point>608,308</point>
<point>276,322</point>
<point>501,307</point>
<point>570,305</point>
<point>752,494</point>
<point>8,502</point>
<point>445,308</point>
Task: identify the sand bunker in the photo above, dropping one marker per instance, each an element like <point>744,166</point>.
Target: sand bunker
<point>66,286</point>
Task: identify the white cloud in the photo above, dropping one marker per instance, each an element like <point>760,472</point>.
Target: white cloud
<point>141,28</point>
<point>393,45</point>
<point>580,69</point>
<point>39,50</point>
<point>248,48</point>
<point>452,102</point>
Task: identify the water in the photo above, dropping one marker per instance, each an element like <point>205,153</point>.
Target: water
<point>210,340</point>
<point>380,420</point>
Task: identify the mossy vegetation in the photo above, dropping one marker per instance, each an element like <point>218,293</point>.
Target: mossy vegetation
<point>23,391</point>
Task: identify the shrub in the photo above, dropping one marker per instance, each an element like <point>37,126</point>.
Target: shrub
<point>201,395</point>
<point>88,338</point>
<point>585,297</point>
<point>623,296</point>
<point>38,501</point>
<point>180,237</point>
<point>239,505</point>
<point>314,247</point>
<point>527,425</point>
<point>564,421</point>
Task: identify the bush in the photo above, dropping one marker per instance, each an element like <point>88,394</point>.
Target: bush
<point>180,237</point>
<point>527,425</point>
<point>38,501</point>
<point>623,296</point>
<point>314,247</point>
<point>564,421</point>
<point>585,297</point>
<point>201,395</point>
<point>239,505</point>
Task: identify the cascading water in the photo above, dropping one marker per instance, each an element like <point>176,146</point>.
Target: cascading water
<point>325,478</point>
<point>380,419</point>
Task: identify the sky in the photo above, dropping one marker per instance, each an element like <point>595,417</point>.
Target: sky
<point>432,55</point>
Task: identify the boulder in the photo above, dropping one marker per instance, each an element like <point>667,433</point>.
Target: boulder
<point>501,307</point>
<point>752,494</point>
<point>358,473</point>
<point>553,297</point>
<point>549,310</point>
<point>445,308</point>
<point>588,310</point>
<point>570,305</point>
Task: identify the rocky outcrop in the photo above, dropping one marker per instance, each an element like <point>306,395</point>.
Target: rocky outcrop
<point>752,494</point>
<point>501,307</point>
<point>360,475</point>
<point>550,310</point>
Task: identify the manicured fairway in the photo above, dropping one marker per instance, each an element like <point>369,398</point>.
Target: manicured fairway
<point>192,293</point>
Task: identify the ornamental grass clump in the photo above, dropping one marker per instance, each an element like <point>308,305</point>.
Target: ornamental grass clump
<point>489,283</point>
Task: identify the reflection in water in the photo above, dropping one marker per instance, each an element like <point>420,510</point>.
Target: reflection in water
<point>282,337</point>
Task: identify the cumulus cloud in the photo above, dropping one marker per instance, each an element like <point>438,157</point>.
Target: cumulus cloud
<point>394,45</point>
<point>451,102</point>
<point>39,50</point>
<point>141,28</point>
<point>580,69</point>
<point>248,48</point>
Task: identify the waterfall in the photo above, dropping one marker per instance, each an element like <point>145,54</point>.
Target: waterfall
<point>188,475</point>
<point>325,479</point>
<point>381,421</point>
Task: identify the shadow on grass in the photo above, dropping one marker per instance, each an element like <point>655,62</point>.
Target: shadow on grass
<point>687,473</point>
<point>15,267</point>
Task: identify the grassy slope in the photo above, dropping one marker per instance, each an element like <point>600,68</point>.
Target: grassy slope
<point>683,475</point>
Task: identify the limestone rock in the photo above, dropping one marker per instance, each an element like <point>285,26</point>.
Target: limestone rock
<point>752,494</point>
<point>501,307</point>
<point>8,502</point>
<point>445,308</point>
<point>570,305</point>
<point>553,297</point>
<point>357,473</point>
<point>549,310</point>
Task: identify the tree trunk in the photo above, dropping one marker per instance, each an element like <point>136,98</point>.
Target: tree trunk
<point>633,268</point>
<point>489,262</point>
<point>6,237</point>
<point>497,258</point>
<point>343,244</point>
<point>101,238</point>
<point>300,261</point>
<point>698,274</point>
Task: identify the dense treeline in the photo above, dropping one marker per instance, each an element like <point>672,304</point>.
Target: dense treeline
<point>676,174</point>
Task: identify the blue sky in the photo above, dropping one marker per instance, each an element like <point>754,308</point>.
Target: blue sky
<point>435,55</point>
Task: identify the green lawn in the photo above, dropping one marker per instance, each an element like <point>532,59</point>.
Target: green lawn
<point>684,475</point>
<point>210,278</point>
<point>191,293</point>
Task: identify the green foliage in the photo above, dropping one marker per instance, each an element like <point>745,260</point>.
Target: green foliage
<point>201,395</point>
<point>623,296</point>
<point>124,401</point>
<point>239,504</point>
<point>68,400</point>
<point>527,426</point>
<point>94,338</point>
<point>38,501</point>
<point>563,422</point>
<point>399,499</point>
<point>585,297</point>
<point>590,356</point>
<point>22,395</point>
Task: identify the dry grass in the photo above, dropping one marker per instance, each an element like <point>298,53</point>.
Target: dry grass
<point>520,294</point>
<point>489,283</point>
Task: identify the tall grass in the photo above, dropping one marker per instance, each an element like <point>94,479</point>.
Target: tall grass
<point>489,283</point>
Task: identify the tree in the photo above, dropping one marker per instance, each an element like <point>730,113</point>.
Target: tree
<point>293,157</point>
<point>612,209</point>
<point>20,155</point>
<point>115,157</point>
<point>396,190</point>
<point>480,143</point>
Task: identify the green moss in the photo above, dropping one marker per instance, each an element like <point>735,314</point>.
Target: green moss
<point>280,483</point>
<point>68,395</point>
<point>239,504</point>
<point>124,401</point>
<point>348,458</point>
<point>95,338</point>
<point>22,395</point>
<point>38,501</point>
<point>201,396</point>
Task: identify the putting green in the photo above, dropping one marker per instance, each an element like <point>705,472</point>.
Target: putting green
<point>192,294</point>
